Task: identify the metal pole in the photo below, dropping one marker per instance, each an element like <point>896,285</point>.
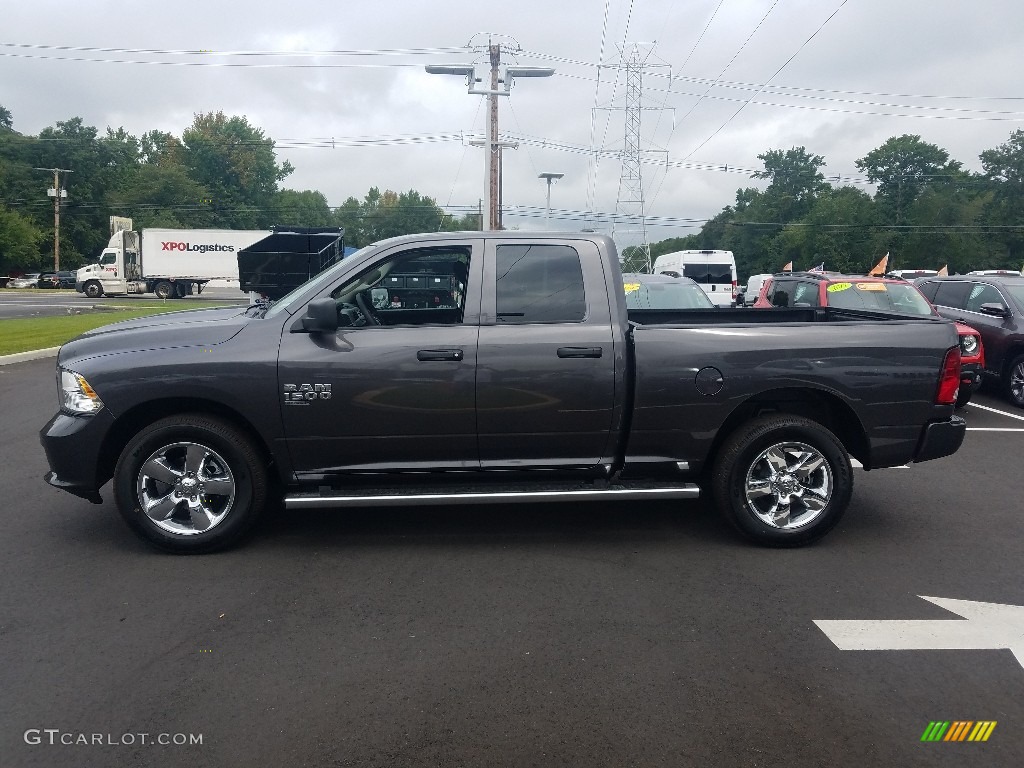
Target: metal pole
<point>493,151</point>
<point>547,217</point>
<point>56,221</point>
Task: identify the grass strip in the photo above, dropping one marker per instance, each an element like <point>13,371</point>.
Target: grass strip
<point>24,334</point>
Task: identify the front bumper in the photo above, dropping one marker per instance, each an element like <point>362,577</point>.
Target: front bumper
<point>73,447</point>
<point>970,375</point>
<point>941,438</point>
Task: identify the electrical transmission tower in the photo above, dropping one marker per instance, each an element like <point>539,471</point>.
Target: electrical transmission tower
<point>629,203</point>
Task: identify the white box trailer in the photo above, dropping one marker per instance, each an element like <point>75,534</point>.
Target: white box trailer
<point>171,263</point>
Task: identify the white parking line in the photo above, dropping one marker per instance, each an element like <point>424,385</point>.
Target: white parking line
<point>995,429</point>
<point>996,410</point>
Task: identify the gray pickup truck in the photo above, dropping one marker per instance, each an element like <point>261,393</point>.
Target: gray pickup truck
<point>493,366</point>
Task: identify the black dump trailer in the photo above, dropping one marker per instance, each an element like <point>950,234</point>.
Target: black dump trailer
<point>287,258</point>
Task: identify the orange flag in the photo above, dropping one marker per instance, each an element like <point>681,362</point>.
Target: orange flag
<point>788,267</point>
<point>944,271</point>
<point>881,266</point>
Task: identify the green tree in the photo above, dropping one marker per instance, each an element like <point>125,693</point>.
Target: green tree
<point>237,164</point>
<point>6,119</point>
<point>302,209</point>
<point>19,242</point>
<point>1004,170</point>
<point>795,179</point>
<point>902,167</point>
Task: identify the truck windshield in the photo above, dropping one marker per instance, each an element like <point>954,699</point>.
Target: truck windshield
<point>878,297</point>
<point>284,304</point>
<point>665,296</point>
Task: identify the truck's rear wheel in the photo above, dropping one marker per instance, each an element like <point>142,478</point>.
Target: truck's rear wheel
<point>190,484</point>
<point>782,480</point>
<point>181,290</point>
<point>92,289</point>
<point>163,290</point>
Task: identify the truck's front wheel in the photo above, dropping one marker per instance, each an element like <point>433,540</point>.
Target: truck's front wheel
<point>782,480</point>
<point>163,290</point>
<point>92,289</point>
<point>190,484</point>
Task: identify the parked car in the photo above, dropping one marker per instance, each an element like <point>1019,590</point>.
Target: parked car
<point>29,280</point>
<point>645,291</point>
<point>876,294</point>
<point>56,280</point>
<point>752,290</point>
<point>994,304</point>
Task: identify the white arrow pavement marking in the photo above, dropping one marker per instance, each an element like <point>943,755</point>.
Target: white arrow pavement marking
<point>988,626</point>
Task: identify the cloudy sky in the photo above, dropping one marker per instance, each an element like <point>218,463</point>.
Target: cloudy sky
<point>726,80</point>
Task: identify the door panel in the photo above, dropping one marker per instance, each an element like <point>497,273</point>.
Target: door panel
<point>389,397</point>
<point>545,389</point>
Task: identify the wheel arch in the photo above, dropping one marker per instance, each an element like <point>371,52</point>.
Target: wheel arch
<point>140,416</point>
<point>818,405</point>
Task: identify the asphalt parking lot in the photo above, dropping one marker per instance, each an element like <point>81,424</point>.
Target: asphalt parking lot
<point>592,635</point>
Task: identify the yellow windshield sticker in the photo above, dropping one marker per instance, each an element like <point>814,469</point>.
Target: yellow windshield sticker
<point>631,287</point>
<point>871,287</point>
<point>837,287</point>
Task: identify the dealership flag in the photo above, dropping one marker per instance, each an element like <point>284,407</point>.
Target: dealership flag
<point>881,266</point>
<point>819,268</point>
<point>944,271</point>
<point>788,267</point>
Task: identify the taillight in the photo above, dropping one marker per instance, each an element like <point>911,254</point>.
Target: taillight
<point>949,381</point>
<point>735,290</point>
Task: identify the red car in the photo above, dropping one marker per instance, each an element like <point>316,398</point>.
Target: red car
<point>875,294</point>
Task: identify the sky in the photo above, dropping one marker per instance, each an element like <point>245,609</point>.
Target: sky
<point>723,81</point>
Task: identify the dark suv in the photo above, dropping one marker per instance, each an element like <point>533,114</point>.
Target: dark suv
<point>995,306</point>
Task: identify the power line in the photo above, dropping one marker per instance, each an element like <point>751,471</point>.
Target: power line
<point>784,65</point>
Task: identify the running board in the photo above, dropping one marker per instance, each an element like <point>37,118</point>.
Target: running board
<point>331,499</point>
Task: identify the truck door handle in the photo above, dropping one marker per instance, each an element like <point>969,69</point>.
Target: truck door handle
<point>428,355</point>
<point>579,351</point>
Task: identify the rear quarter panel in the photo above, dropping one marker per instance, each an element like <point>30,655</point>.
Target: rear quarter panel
<point>887,373</point>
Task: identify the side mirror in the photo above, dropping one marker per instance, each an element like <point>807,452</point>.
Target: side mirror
<point>994,309</point>
<point>321,316</point>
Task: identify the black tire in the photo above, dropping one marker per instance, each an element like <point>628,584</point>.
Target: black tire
<point>1013,381</point>
<point>164,290</point>
<point>181,290</point>
<point>224,458</point>
<point>92,289</point>
<point>822,495</point>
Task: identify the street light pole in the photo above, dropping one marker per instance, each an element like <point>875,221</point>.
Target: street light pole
<point>499,81</point>
<point>549,176</point>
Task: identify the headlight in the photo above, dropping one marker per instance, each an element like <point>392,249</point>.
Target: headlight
<point>76,396</point>
<point>969,345</point>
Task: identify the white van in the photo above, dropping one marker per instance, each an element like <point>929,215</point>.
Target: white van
<point>713,271</point>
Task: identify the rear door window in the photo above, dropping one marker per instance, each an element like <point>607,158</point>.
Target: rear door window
<point>539,284</point>
<point>805,295</point>
<point>708,274</point>
<point>953,294</point>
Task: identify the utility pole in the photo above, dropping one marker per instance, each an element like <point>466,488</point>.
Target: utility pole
<point>56,192</point>
<point>500,84</point>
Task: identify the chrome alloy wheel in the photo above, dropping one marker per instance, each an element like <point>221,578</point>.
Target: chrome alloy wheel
<point>186,488</point>
<point>788,485</point>
<point>1017,383</point>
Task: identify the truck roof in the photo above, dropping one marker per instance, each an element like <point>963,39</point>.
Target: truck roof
<point>504,234</point>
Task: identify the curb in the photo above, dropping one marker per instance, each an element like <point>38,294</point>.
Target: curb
<point>35,354</point>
